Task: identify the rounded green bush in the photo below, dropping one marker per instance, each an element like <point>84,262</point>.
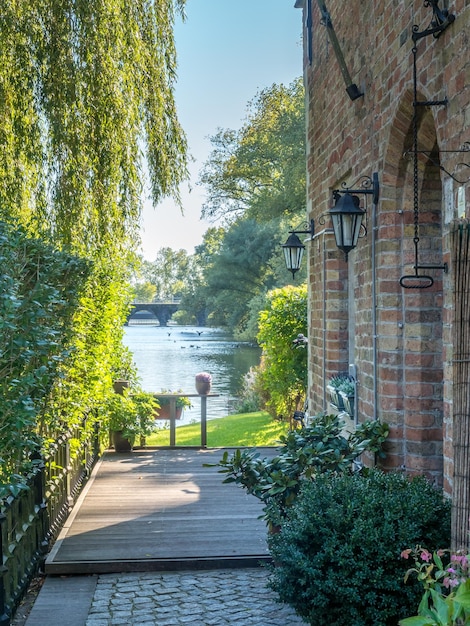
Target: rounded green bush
<point>337,556</point>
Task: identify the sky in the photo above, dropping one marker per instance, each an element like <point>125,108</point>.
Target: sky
<point>228,51</point>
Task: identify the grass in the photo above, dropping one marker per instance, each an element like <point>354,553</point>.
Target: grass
<point>242,429</point>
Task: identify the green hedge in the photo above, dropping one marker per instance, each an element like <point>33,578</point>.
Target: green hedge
<point>337,556</point>
<point>39,292</point>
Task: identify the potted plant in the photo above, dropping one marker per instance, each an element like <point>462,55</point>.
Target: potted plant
<point>203,383</point>
<point>163,400</point>
<point>347,391</point>
<point>333,389</point>
<point>129,415</point>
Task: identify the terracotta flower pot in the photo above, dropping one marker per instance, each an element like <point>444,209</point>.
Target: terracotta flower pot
<point>163,413</point>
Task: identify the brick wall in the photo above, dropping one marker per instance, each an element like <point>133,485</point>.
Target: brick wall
<point>405,375</point>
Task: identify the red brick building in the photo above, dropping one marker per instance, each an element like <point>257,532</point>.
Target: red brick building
<point>392,96</point>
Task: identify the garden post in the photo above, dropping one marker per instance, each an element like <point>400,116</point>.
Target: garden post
<point>203,421</point>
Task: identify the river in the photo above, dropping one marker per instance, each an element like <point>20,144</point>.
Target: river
<point>168,358</point>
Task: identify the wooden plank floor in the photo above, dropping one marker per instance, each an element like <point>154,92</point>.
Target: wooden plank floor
<point>160,510</point>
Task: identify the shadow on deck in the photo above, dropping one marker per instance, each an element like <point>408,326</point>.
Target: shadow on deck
<point>155,510</point>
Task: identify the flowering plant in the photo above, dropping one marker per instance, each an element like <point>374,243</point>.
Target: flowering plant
<point>445,576</point>
<point>163,399</point>
<point>203,377</point>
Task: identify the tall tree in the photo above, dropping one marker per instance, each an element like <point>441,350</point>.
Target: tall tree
<point>195,297</point>
<point>256,184</point>
<point>168,273</point>
<point>240,271</point>
<point>259,170</point>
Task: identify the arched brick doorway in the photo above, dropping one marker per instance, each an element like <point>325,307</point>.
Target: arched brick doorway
<point>410,361</point>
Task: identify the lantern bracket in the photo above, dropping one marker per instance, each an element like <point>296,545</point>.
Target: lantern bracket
<point>441,19</point>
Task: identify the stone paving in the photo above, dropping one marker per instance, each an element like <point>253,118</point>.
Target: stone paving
<point>207,598</point>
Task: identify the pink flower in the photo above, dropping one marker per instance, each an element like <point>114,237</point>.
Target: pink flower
<point>426,556</point>
<point>460,559</point>
<point>203,377</point>
<point>405,554</point>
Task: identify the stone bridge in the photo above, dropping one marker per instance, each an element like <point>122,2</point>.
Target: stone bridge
<point>161,310</point>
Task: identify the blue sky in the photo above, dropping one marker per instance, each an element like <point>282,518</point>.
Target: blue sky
<point>228,50</point>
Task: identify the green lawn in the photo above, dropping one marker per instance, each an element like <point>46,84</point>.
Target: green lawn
<point>243,429</point>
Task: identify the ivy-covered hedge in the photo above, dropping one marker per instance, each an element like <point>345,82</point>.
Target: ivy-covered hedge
<point>337,555</point>
<point>39,294</point>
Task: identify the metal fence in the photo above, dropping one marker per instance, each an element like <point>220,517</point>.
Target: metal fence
<point>30,520</point>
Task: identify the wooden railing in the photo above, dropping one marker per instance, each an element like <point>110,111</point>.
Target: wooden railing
<point>173,397</point>
<point>31,519</point>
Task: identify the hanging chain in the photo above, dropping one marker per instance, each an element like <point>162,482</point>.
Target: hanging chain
<point>415,160</point>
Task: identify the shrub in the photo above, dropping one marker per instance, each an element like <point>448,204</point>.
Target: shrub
<point>249,399</point>
<point>282,376</point>
<point>320,447</point>
<point>131,413</point>
<point>337,555</point>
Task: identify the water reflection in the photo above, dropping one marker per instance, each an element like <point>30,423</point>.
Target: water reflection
<point>170,357</point>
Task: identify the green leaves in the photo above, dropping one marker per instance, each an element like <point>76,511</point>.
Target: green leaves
<point>283,375</point>
<point>85,89</point>
<point>337,555</point>
<point>84,86</point>
<point>303,455</point>
<point>446,599</point>
<point>259,171</point>
<point>39,293</point>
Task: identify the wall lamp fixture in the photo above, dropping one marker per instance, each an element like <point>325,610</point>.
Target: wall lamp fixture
<point>294,249</point>
<point>346,214</point>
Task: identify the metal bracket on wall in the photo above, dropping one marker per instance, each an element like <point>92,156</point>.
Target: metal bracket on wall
<point>441,19</point>
<point>351,88</point>
<point>429,154</point>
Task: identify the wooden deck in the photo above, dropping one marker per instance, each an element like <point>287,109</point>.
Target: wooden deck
<point>160,510</point>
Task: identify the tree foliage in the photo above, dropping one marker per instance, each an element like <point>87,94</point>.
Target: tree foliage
<point>195,296</point>
<point>83,86</point>
<point>167,273</point>
<point>256,184</point>
<point>283,372</point>
<point>240,271</point>
<point>259,170</point>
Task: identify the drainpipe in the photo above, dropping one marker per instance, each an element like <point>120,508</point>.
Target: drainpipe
<point>325,231</point>
<point>374,309</point>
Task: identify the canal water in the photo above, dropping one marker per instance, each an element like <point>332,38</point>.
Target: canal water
<point>168,358</point>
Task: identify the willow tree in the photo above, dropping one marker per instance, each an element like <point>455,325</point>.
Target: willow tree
<point>85,88</point>
<point>86,108</point>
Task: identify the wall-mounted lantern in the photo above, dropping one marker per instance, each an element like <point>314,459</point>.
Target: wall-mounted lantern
<point>346,214</point>
<point>294,249</point>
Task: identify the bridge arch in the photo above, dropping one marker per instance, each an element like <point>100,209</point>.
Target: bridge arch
<point>163,311</point>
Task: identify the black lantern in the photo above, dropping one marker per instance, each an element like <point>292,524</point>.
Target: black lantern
<point>294,249</point>
<point>347,215</point>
